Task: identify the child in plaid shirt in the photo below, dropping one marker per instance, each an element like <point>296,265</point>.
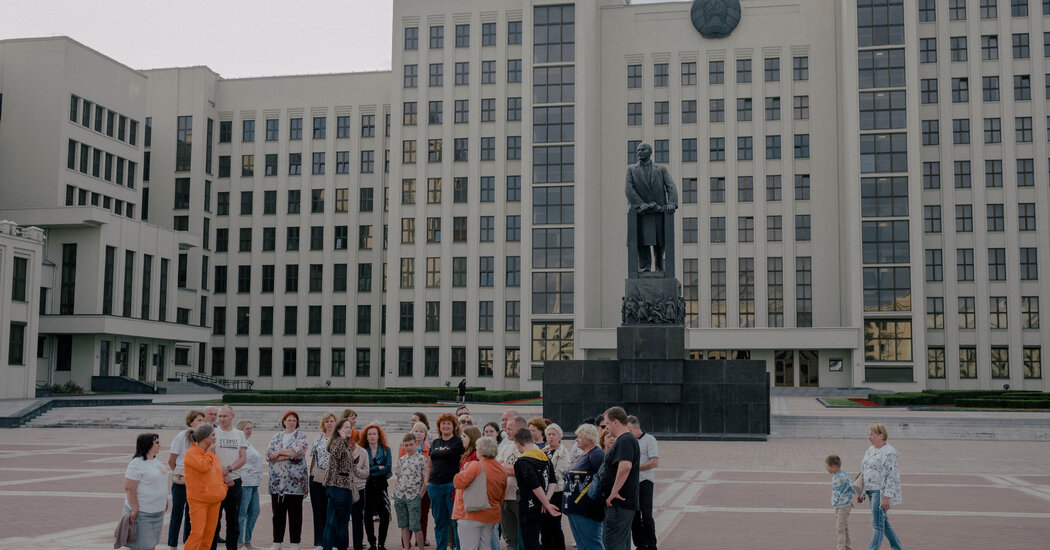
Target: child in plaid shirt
<point>412,473</point>
<point>842,495</point>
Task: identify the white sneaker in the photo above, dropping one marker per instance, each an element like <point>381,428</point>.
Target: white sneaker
<point>295,547</point>
<point>276,546</point>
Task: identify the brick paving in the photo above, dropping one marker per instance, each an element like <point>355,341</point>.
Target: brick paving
<point>60,489</point>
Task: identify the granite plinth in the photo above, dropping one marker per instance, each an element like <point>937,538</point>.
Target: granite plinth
<point>675,398</point>
<point>650,342</point>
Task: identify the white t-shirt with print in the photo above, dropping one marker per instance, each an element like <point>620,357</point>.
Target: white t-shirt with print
<point>179,446</point>
<point>228,445</point>
<point>152,491</point>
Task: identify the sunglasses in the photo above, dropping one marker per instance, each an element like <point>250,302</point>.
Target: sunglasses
<point>466,423</point>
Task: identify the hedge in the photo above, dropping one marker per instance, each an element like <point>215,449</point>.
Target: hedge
<point>1005,403</point>
<point>958,397</point>
<point>374,395</point>
<point>486,396</point>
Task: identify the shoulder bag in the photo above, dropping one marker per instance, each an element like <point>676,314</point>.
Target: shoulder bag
<point>476,495</point>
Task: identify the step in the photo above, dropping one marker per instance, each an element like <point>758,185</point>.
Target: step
<point>915,427</point>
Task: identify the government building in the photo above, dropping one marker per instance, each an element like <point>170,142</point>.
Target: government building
<point>463,215</point>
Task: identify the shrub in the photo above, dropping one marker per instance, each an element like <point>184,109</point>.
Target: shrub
<point>69,388</point>
<point>1004,403</point>
<point>964,398</point>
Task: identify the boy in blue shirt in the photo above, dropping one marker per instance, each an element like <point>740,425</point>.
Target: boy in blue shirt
<point>842,495</point>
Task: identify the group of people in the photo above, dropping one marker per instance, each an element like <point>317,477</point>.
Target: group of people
<point>511,480</point>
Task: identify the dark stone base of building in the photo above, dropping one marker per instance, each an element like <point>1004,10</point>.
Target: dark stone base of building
<point>673,398</point>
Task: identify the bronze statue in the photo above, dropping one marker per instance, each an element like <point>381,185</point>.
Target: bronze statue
<point>652,195</point>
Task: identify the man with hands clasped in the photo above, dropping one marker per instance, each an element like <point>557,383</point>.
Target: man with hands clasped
<point>232,449</point>
<point>620,478</point>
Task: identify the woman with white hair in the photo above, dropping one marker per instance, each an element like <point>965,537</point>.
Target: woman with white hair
<point>585,514</point>
<point>551,533</point>
<point>475,528</point>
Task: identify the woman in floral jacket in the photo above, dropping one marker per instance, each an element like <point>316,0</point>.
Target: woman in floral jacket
<point>882,484</point>
<point>289,480</point>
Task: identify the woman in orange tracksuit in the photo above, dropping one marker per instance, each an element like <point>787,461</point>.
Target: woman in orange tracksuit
<point>205,488</point>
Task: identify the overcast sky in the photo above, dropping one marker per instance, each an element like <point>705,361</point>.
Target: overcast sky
<point>235,38</point>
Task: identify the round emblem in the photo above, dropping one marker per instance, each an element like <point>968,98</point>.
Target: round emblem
<point>715,18</point>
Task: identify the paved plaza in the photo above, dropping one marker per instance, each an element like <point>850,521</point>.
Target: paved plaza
<point>60,488</point>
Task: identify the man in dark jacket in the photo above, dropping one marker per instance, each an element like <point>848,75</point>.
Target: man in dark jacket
<point>535,475</point>
<point>652,195</point>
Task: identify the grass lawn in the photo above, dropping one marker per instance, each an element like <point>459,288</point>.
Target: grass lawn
<point>845,402</point>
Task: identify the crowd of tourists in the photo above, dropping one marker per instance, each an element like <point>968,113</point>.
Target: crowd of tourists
<point>478,486</point>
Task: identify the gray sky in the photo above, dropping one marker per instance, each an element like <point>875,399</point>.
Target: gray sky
<point>235,38</point>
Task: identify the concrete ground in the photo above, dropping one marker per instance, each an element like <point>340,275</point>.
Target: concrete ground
<point>60,488</point>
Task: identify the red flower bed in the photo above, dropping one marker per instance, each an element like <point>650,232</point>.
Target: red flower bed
<point>862,401</point>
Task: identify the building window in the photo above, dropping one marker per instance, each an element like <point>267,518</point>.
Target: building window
<point>935,313</point>
<point>964,264</point>
<point>718,292</point>
<point>1029,264</point>
<point>1032,360</point>
<point>934,265</point>
<point>887,340</point>
<point>996,221</point>
<point>552,341</point>
<point>931,218</point>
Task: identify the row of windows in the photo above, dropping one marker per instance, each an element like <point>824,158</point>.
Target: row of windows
<point>363,362</point>
<point>746,292</point>
<point>318,164</point>
<point>106,121</point>
<point>998,312</point>
<point>958,52</point>
<point>995,220</point>
<point>461,73</point>
<point>295,132</point>
<point>460,149</point>
<point>436,110</point>
<point>987,9</point>
<point>993,174</point>
<point>99,164</point>
<point>83,197</point>
<point>1028,264</point>
<point>745,149</point>
<point>716,72</point>
<point>993,131</point>
<point>960,89</point>
<point>716,110</point>
<point>460,190</point>
<point>746,229</point>
<point>998,362</point>
<point>488,35</point>
<point>746,189</point>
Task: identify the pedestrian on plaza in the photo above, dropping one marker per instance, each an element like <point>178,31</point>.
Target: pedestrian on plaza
<point>146,492</point>
<point>351,415</point>
<point>620,479</point>
<point>507,456</point>
<point>318,465</point>
<point>345,464</point>
<point>232,449</point>
<point>461,396</point>
<point>379,472</point>
<point>180,511</point>
<point>475,528</point>
<point>413,472</point>
<point>535,477</point>
<point>421,431</point>
<point>445,452</point>
<point>466,421</point>
<point>205,487</point>
<point>643,530</point>
<point>842,494</point>
<point>462,410</point>
<point>538,427</point>
<point>551,533</point>
<point>211,416</point>
<point>251,479</point>
<point>360,480</point>
<point>505,436</point>
<point>289,477</point>
<point>882,485</point>
<point>607,439</point>
<point>585,513</point>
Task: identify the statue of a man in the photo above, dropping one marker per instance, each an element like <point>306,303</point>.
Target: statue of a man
<point>652,195</point>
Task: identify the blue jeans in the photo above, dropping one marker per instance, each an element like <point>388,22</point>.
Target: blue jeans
<point>249,513</point>
<point>495,537</point>
<point>441,508</point>
<point>336,528</point>
<point>180,512</point>
<point>586,531</point>
<point>880,524</point>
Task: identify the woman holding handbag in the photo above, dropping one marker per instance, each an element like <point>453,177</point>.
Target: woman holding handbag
<point>205,487</point>
<point>318,464</point>
<point>480,489</point>
<point>376,502</point>
<point>345,465</point>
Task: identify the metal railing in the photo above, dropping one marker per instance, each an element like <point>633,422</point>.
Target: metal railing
<point>225,383</point>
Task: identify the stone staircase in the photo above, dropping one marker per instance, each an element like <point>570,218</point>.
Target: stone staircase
<point>957,427</point>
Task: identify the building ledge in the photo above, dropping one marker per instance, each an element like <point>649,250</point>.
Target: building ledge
<point>122,326</point>
<point>741,338</point>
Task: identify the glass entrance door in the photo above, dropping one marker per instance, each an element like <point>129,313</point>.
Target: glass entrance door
<point>784,368</point>
<point>808,368</point>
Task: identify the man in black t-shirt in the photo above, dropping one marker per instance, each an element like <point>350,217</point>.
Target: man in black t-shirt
<point>619,482</point>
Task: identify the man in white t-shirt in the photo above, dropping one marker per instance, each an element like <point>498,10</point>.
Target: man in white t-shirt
<point>232,449</point>
<point>643,531</point>
<point>506,457</point>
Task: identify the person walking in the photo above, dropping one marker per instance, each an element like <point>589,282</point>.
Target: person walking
<point>318,465</point>
<point>445,452</point>
<point>180,511</point>
<point>146,492</point>
<point>205,487</point>
<point>643,530</point>
<point>251,479</point>
<point>619,482</point>
<point>379,472</point>
<point>286,454</point>
<point>461,397</point>
<point>475,528</point>
<point>882,485</point>
<point>232,449</point>
<point>585,513</point>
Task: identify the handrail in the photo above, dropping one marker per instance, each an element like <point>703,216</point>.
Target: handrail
<point>235,385</point>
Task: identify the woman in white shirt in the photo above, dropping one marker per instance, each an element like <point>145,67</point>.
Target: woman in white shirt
<point>251,478</point>
<point>146,492</point>
<point>882,484</point>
